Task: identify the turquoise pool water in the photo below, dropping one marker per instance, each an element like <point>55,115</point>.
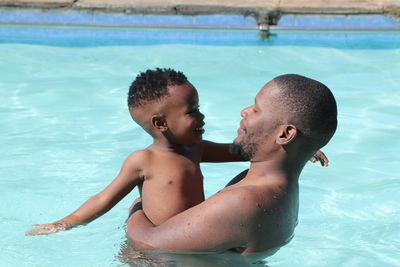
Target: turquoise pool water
<point>65,131</point>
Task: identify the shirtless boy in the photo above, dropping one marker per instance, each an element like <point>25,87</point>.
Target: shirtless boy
<point>166,105</point>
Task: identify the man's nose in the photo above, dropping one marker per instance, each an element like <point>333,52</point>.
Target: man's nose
<point>243,113</point>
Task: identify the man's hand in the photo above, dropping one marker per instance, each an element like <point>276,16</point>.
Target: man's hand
<point>45,229</point>
<point>320,156</point>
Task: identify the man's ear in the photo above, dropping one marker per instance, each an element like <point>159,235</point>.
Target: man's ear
<point>287,134</point>
<point>159,123</point>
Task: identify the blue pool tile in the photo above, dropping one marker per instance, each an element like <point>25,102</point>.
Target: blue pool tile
<point>73,17</point>
<point>337,20</point>
<point>235,20</point>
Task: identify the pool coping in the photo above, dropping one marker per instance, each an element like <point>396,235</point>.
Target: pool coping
<point>233,14</point>
<point>265,11</point>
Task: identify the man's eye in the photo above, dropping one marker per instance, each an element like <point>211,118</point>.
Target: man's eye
<point>255,110</point>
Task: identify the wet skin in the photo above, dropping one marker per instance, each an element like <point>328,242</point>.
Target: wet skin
<point>167,172</point>
<point>170,180</point>
<point>252,216</point>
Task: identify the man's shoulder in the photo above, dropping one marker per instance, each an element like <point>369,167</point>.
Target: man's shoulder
<point>245,200</point>
<point>252,198</point>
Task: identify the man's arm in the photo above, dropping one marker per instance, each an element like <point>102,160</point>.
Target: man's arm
<point>224,221</point>
<point>102,202</point>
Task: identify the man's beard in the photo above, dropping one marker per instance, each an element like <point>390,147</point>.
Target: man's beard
<point>245,149</point>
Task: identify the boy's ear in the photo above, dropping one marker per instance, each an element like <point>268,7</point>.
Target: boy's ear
<point>159,123</point>
<point>287,134</point>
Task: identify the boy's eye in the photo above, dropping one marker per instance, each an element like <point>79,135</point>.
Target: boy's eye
<point>194,110</point>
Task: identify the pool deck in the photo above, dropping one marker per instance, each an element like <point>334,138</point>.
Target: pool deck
<point>265,11</point>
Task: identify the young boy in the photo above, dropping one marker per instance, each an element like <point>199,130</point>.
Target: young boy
<point>166,105</point>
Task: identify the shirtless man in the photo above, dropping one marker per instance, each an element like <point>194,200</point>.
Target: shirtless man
<point>292,117</point>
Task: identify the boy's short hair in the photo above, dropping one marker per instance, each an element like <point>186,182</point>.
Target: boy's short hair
<point>153,85</point>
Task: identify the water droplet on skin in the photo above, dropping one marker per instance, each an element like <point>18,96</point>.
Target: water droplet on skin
<point>274,196</point>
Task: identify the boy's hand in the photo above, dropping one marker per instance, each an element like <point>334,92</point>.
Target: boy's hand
<point>45,229</point>
<point>320,156</point>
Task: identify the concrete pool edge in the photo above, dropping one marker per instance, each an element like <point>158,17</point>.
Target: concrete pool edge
<point>265,12</point>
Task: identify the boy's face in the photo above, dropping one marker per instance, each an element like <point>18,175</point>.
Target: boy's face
<point>183,118</point>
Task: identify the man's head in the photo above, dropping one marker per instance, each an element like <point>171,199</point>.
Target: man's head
<point>165,103</point>
<point>291,112</point>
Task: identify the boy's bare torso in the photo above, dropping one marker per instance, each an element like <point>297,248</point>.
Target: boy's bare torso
<point>171,182</point>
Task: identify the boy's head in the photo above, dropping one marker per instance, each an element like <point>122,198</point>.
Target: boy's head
<point>165,103</point>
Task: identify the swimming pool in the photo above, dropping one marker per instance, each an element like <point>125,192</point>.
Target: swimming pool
<point>66,130</point>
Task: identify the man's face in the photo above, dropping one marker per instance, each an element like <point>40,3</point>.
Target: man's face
<point>255,134</point>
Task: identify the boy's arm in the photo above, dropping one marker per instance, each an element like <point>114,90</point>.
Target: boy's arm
<point>97,205</point>
<point>218,152</point>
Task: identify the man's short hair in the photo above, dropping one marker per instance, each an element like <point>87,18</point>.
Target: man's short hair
<point>153,85</point>
<point>309,105</point>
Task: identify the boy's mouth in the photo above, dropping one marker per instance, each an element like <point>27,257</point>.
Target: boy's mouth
<point>199,129</point>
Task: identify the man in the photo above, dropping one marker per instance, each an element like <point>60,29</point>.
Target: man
<point>292,117</point>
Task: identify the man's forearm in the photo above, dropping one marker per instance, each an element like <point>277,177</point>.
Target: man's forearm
<point>140,230</point>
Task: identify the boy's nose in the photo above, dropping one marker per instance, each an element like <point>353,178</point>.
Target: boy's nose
<point>201,116</point>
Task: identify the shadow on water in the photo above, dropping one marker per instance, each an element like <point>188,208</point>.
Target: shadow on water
<point>128,256</point>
